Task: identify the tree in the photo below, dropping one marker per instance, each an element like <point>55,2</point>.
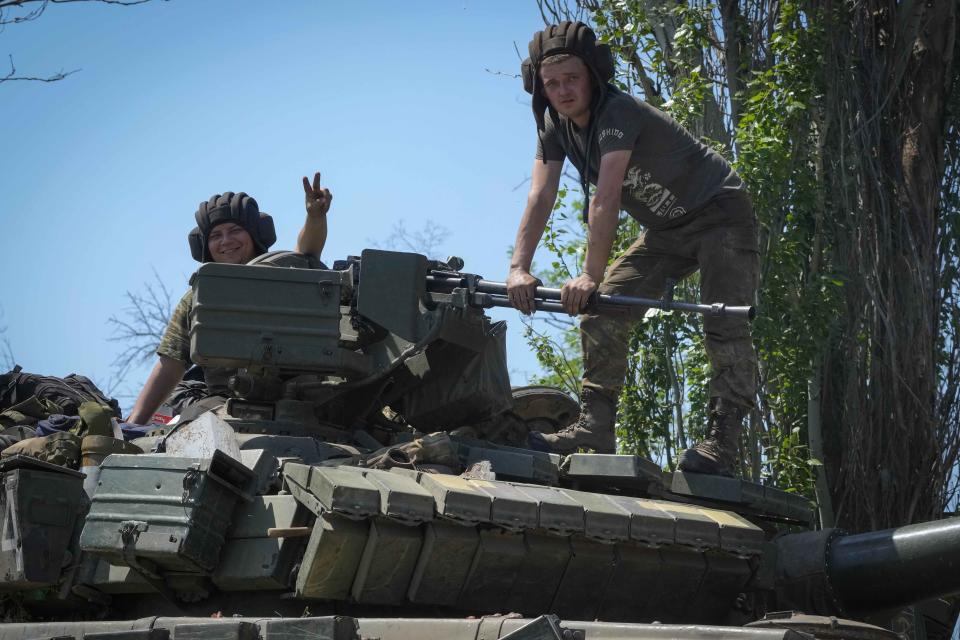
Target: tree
<point>841,118</point>
<point>7,359</point>
<point>14,12</point>
<point>138,329</point>
<point>427,240</point>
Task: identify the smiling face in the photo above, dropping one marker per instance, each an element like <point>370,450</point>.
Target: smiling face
<point>566,84</point>
<point>230,243</point>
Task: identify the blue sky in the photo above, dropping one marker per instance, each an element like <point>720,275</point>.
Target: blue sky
<point>406,109</point>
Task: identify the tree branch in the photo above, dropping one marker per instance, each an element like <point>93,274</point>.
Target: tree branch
<point>142,325</point>
<point>32,10</point>
<point>12,75</point>
<point>7,359</point>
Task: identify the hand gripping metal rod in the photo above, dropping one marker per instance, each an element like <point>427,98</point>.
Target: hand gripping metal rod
<point>548,300</point>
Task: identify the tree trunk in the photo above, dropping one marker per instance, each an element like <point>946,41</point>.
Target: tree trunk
<point>894,66</point>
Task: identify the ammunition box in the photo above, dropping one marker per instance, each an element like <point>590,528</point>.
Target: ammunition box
<point>290,317</point>
<point>172,512</point>
<point>40,504</point>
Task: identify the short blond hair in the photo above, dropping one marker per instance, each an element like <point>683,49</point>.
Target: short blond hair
<point>556,58</point>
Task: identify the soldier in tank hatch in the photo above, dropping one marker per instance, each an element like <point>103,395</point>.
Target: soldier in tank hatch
<point>696,214</point>
<point>230,229</point>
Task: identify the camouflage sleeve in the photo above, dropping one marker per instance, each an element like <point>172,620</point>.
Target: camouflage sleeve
<point>175,342</point>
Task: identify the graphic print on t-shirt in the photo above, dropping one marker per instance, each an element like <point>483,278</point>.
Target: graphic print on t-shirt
<point>653,195</point>
<point>610,132</point>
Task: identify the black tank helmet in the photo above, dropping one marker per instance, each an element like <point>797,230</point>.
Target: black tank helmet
<point>574,38</point>
<point>230,207</point>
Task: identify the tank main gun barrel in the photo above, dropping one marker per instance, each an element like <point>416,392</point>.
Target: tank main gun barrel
<point>489,293</point>
<point>831,573</point>
<point>887,568</point>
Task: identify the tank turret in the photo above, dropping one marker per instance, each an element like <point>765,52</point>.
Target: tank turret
<point>363,479</point>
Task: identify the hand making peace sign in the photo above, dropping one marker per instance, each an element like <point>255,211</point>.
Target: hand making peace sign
<point>317,198</point>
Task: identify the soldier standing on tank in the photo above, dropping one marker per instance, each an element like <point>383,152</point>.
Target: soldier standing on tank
<point>230,229</point>
<point>696,214</point>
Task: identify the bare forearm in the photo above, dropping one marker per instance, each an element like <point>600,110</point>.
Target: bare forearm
<point>164,377</point>
<point>531,228</point>
<point>604,217</point>
<point>313,235</point>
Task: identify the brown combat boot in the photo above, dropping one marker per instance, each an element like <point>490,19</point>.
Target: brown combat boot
<point>717,453</point>
<point>594,429</point>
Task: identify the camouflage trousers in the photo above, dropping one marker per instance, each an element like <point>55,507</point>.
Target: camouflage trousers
<point>721,242</point>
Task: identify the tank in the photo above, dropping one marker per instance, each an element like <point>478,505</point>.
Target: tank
<point>367,478</point>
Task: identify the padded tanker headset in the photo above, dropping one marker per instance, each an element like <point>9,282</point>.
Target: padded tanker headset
<point>230,207</point>
<point>577,39</point>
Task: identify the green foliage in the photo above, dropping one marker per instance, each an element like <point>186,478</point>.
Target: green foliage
<point>778,145</point>
<point>558,355</point>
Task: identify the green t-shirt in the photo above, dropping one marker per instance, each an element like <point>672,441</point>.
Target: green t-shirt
<point>671,174</point>
<point>175,344</point>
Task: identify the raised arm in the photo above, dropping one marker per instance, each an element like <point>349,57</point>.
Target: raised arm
<point>544,182</point>
<point>313,235</point>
